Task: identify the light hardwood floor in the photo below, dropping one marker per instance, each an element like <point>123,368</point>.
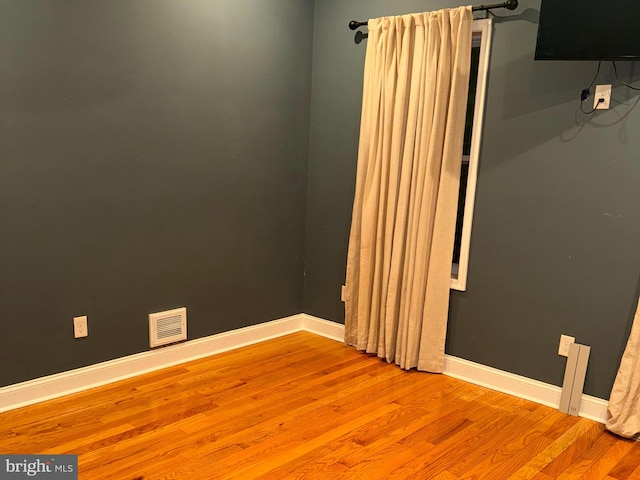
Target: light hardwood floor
<point>302,406</point>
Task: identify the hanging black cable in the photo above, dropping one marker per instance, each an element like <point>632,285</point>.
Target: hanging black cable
<point>509,5</point>
<point>600,100</point>
<point>586,93</point>
<point>615,70</point>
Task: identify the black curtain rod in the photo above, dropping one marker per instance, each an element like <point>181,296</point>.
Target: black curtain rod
<point>509,5</point>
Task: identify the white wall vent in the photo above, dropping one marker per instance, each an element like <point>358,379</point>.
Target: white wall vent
<point>167,327</point>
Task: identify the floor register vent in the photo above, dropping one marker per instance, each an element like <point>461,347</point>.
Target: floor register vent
<point>167,327</point>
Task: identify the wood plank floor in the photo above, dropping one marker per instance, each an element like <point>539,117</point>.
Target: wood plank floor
<point>302,406</point>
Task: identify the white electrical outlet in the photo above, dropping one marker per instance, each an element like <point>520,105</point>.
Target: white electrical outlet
<point>565,342</point>
<point>80,328</point>
<point>602,92</point>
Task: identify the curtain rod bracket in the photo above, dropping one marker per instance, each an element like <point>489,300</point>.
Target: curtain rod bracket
<point>353,24</point>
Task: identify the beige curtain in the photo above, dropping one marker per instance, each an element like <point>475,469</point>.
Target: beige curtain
<point>403,224</point>
<point>624,402</point>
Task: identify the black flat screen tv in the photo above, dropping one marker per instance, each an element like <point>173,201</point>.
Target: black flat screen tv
<point>589,30</point>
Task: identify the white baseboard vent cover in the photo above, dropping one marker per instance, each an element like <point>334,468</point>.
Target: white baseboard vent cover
<point>167,327</point>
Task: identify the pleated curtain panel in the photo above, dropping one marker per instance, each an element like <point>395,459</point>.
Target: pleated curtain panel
<point>624,401</point>
<point>416,80</point>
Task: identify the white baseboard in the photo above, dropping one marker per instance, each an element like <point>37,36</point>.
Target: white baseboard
<point>53,386</point>
<point>65,383</point>
<point>522,387</point>
<point>324,328</point>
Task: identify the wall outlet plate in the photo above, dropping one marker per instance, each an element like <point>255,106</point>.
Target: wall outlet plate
<point>565,343</point>
<point>80,327</point>
<point>602,92</point>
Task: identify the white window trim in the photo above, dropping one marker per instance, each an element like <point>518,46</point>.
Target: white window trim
<point>482,32</point>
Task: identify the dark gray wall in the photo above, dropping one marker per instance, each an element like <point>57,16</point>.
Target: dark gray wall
<point>557,224</point>
<point>152,155</point>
